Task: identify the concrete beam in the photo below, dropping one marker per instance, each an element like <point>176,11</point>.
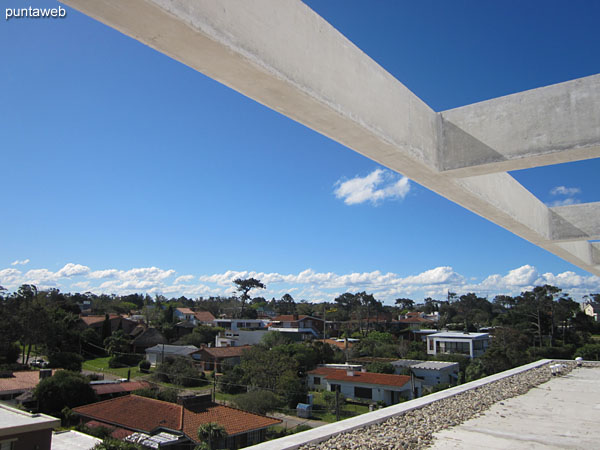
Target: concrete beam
<point>285,56</point>
<point>549,125</point>
<point>575,222</point>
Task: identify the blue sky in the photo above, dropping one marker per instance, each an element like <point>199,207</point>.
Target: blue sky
<point>126,171</point>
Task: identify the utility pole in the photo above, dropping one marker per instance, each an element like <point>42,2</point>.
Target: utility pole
<point>214,386</point>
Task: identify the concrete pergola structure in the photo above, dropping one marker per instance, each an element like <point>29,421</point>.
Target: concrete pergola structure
<point>288,58</point>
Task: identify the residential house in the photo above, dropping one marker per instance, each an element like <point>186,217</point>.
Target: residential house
<point>470,344</point>
<point>298,327</point>
<point>148,337</point>
<point>106,389</point>
<point>14,384</point>
<point>117,322</point>
<point>241,324</point>
<point>365,386</point>
<point>592,309</point>
<point>204,318</point>
<point>213,358</point>
<point>141,419</point>
<point>157,354</point>
<point>431,373</point>
<point>20,430</point>
<point>238,338</point>
<point>184,314</point>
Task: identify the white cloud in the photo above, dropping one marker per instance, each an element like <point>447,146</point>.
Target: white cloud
<point>563,190</point>
<point>72,270</point>
<point>184,279</point>
<point>306,284</point>
<point>20,262</point>
<point>375,187</point>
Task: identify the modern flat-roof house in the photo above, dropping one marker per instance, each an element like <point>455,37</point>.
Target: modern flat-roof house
<point>299,326</point>
<point>229,338</point>
<point>358,385</point>
<point>470,344</point>
<point>240,324</point>
<point>158,353</point>
<point>140,419</point>
<point>431,373</point>
<point>20,430</point>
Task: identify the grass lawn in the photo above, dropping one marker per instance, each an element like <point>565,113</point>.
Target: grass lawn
<point>101,365</point>
<point>346,410</point>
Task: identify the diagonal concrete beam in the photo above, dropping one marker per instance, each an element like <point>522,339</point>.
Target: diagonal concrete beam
<point>283,55</point>
<point>575,222</point>
<point>549,125</point>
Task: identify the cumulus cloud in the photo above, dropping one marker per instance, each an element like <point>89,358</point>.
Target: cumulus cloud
<point>20,262</point>
<point>305,285</point>
<point>72,270</point>
<point>563,190</point>
<point>374,188</point>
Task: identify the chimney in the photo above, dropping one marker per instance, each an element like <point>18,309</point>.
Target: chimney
<point>363,369</point>
<point>350,373</point>
<point>295,316</point>
<point>190,401</point>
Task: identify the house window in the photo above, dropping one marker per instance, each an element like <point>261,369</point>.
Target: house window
<point>335,387</point>
<point>317,380</point>
<point>361,392</point>
<point>431,344</point>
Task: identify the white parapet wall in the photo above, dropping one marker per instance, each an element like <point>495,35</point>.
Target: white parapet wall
<point>325,432</point>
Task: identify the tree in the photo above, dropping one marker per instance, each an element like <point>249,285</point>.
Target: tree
<point>62,389</point>
<point>211,433</point>
<point>405,303</point>
<point>115,444</point>
<point>258,402</point>
<point>244,286</point>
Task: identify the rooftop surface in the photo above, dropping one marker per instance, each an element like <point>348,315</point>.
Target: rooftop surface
<point>13,421</point>
<point>559,414</point>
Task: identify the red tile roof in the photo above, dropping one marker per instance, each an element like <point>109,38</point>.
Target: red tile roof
<point>361,377</point>
<point>224,352</point>
<point>233,420</point>
<point>146,414</point>
<point>113,388</point>
<point>204,316</point>
<point>414,320</point>
<point>134,412</point>
<point>20,381</point>
<point>185,311</point>
<point>291,318</point>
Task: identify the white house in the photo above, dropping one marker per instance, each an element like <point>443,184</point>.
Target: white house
<point>239,324</point>
<point>592,309</point>
<point>470,344</point>
<point>195,317</point>
<point>431,373</point>
<point>373,387</point>
<point>230,338</point>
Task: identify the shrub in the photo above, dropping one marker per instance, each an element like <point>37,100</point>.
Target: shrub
<point>62,389</point>
<point>124,360</point>
<point>591,352</point>
<point>380,367</point>
<point>145,366</point>
<point>259,402</point>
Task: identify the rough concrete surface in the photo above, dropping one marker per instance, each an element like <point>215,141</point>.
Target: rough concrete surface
<point>563,413</point>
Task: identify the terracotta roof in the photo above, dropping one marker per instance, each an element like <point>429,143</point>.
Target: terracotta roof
<point>114,388</point>
<point>361,377</point>
<point>185,310</point>
<point>91,320</point>
<point>204,316</point>
<point>225,352</point>
<point>233,420</point>
<point>146,414</point>
<point>20,381</point>
<point>134,412</point>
